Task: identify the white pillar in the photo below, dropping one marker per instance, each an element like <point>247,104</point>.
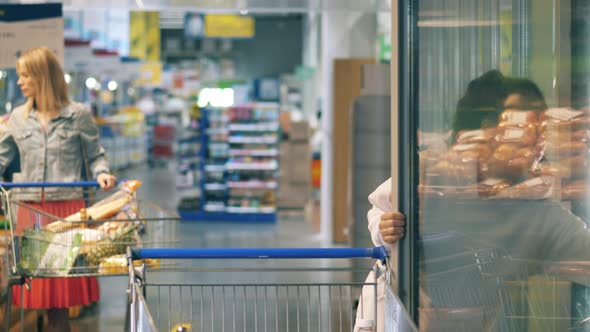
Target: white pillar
<point>311,54</point>
<point>343,35</point>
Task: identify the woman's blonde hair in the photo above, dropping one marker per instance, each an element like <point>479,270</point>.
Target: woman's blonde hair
<point>51,89</point>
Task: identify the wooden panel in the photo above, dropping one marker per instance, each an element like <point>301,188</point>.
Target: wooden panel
<point>347,87</point>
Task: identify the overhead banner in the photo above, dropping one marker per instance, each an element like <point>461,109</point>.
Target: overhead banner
<point>26,26</point>
<point>144,35</point>
<point>229,26</point>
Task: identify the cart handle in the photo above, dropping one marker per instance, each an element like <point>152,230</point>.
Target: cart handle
<point>9,185</point>
<point>258,253</point>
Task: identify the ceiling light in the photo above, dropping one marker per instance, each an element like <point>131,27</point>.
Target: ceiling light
<point>112,85</point>
<point>91,82</point>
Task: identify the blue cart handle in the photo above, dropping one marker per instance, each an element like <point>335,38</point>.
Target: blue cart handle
<point>259,253</point>
<point>10,185</point>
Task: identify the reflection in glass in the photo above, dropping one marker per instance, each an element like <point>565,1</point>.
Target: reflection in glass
<point>503,243</point>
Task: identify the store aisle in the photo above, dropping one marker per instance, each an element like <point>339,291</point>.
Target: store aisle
<point>158,187</point>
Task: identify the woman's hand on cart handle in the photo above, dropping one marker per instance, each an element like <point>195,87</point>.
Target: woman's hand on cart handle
<point>392,227</point>
<point>106,181</point>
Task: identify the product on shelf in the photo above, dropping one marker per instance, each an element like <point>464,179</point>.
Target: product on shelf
<point>519,119</point>
<point>574,190</point>
<point>512,161</point>
<point>530,155</point>
<point>492,186</point>
<point>564,120</point>
<point>476,136</point>
<point>240,159</point>
<point>535,188</point>
<point>526,136</point>
<point>568,168</point>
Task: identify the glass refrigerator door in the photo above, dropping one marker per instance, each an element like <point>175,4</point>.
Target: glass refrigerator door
<point>495,95</point>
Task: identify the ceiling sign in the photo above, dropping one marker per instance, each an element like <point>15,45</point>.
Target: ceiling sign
<point>229,26</point>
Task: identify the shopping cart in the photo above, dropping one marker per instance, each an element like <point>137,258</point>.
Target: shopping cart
<point>272,299</point>
<point>72,240</point>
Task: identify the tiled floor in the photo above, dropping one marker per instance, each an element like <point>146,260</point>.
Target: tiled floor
<point>158,187</point>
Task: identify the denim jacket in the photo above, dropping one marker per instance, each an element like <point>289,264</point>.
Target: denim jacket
<point>55,154</point>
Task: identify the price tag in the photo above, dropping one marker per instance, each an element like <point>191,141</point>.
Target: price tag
<point>514,134</point>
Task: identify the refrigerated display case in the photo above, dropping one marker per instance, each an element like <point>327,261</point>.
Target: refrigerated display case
<point>497,197</point>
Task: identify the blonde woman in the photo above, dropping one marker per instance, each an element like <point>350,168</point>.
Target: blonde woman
<point>55,139</point>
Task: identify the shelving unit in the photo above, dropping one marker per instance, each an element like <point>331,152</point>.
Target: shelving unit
<point>188,152</point>
<point>239,164</point>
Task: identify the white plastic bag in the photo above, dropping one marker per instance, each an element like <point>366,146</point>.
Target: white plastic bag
<point>366,307</point>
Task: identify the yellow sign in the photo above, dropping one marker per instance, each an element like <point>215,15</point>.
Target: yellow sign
<point>150,74</point>
<point>229,26</point>
<point>137,40</point>
<point>152,36</point>
<point>144,35</point>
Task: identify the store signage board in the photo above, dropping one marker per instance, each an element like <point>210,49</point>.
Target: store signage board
<point>26,26</point>
<point>144,35</point>
<point>229,26</point>
<point>77,58</point>
<point>305,73</point>
<point>106,66</point>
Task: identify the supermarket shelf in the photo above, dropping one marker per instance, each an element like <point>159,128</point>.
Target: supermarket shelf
<point>215,186</point>
<point>189,156</point>
<point>259,127</point>
<point>253,140</point>
<point>227,217</point>
<point>215,168</point>
<point>259,137</point>
<point>213,131</point>
<point>240,210</point>
<point>214,208</point>
<point>252,166</point>
<point>192,139</point>
<point>252,185</point>
<point>273,106</point>
<point>222,119</point>
<point>254,153</point>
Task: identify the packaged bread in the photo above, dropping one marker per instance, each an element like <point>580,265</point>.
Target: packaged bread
<point>581,135</point>
<point>564,119</point>
<point>491,187</point>
<point>574,190</point>
<point>556,150</point>
<point>522,136</point>
<point>519,119</point>
<point>476,136</point>
<point>512,161</point>
<point>470,152</point>
<point>534,189</point>
<point>448,174</point>
<point>460,166</point>
<point>568,168</point>
<point>431,157</point>
<point>101,210</point>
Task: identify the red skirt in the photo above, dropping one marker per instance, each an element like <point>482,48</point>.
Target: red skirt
<point>46,293</point>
